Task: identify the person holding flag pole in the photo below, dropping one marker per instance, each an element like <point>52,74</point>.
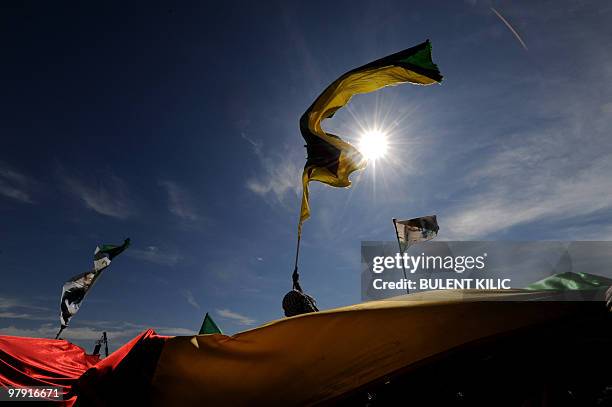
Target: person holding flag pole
<point>330,159</point>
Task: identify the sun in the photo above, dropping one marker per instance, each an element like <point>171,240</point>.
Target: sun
<point>373,144</point>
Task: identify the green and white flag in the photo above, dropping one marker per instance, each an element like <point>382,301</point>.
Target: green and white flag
<point>412,231</point>
<point>75,289</point>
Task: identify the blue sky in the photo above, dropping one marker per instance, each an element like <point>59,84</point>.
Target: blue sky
<point>177,125</point>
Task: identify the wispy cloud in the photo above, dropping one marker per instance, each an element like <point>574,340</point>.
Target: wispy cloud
<point>512,29</point>
<point>236,317</point>
<point>173,331</point>
<point>549,175</point>
<point>106,195</point>
<point>503,207</point>
<point>153,254</point>
<point>280,175</point>
<point>126,329</point>
<point>279,178</point>
<point>49,330</point>
<point>15,185</point>
<point>256,144</point>
<point>26,316</point>
<point>12,308</point>
<point>179,201</point>
<point>118,333</point>
<point>191,299</point>
<point>544,165</point>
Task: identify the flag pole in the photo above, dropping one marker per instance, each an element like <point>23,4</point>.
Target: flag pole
<point>402,253</point>
<point>296,276</point>
<point>59,332</point>
<point>105,344</point>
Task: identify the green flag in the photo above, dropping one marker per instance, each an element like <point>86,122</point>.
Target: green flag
<point>110,250</point>
<point>571,281</point>
<point>209,326</point>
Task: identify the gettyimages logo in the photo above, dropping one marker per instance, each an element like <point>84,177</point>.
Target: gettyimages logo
<point>411,264</point>
<point>581,269</point>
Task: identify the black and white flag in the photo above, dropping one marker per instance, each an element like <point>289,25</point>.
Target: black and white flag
<point>75,289</point>
<point>415,230</point>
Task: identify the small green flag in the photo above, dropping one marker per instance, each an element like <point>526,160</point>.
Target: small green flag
<point>571,281</point>
<point>209,326</point>
<point>110,250</point>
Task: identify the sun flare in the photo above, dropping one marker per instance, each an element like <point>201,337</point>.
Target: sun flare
<point>373,144</point>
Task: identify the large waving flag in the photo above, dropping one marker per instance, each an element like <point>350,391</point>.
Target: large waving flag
<point>330,159</point>
<point>75,289</point>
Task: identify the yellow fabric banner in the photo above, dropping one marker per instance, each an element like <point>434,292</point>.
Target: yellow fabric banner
<point>317,357</point>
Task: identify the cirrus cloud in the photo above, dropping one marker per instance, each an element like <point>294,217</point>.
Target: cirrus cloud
<point>236,317</point>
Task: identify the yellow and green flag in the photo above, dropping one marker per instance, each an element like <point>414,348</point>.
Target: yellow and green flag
<point>330,159</point>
